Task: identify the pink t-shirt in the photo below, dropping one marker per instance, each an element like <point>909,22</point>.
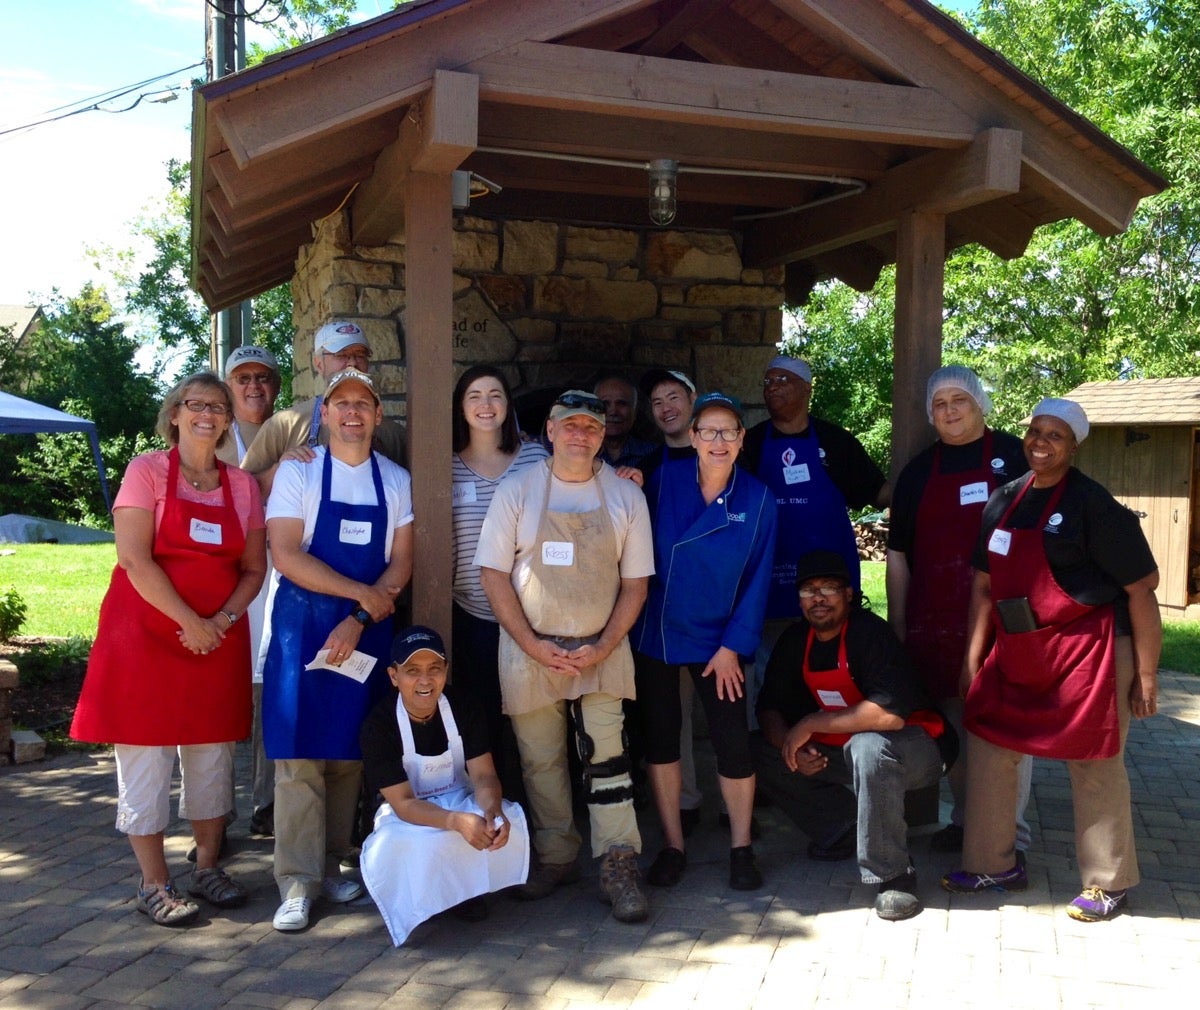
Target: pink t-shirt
<point>145,487</point>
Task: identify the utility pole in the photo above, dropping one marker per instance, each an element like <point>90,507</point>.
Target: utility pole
<point>225,51</point>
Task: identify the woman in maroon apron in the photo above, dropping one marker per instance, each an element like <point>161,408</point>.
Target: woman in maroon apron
<point>170,668</point>
<point>1064,640</point>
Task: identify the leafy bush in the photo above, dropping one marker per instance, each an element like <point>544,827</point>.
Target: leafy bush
<point>42,663</point>
<point>12,613</point>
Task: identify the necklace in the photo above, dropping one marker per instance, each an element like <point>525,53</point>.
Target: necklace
<point>201,474</point>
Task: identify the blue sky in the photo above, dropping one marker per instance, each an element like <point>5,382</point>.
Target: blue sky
<point>79,182</point>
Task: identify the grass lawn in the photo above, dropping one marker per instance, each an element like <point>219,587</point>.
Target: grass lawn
<point>61,584</point>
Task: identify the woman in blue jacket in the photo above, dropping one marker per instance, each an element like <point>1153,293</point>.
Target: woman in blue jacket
<point>714,538</point>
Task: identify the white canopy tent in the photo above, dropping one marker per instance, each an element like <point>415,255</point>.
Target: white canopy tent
<point>24,417</point>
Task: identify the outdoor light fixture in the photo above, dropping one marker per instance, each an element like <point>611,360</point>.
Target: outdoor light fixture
<point>662,190</point>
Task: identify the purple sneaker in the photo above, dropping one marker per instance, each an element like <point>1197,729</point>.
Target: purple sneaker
<point>965,882</point>
<point>1096,905</point>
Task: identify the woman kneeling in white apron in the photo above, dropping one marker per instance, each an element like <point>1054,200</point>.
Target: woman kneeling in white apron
<point>444,837</point>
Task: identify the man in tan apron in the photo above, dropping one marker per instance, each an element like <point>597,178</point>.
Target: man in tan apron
<point>566,555</point>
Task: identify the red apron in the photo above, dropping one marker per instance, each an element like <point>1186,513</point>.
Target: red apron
<point>835,689</point>
<point>1050,692</point>
<point>142,686</point>
<point>939,591</point>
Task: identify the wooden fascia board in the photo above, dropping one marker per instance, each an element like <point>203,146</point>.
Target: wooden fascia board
<point>941,182</point>
<point>1094,193</point>
<point>435,138</point>
<point>533,74</point>
<point>304,99</point>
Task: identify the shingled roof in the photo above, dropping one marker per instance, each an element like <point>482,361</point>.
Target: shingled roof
<point>1140,401</point>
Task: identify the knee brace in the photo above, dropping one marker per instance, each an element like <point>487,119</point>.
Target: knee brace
<point>604,782</point>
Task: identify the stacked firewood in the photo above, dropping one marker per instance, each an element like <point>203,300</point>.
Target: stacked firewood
<point>872,540</point>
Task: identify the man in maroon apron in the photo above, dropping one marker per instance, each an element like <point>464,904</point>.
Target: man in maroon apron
<point>341,536</point>
<point>847,730</point>
<point>1063,644</point>
<point>566,555</point>
<point>937,506</point>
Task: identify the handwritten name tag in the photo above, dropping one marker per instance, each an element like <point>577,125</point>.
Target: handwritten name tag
<point>831,699</point>
<point>463,493</point>
<point>206,533</point>
<point>1000,542</point>
<point>354,532</point>
<point>972,494</point>
<point>795,474</point>
<point>558,552</point>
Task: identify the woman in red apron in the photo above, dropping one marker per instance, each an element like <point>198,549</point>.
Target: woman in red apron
<point>170,668</point>
<point>1064,640</point>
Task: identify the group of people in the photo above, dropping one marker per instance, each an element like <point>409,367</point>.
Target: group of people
<point>600,584</point>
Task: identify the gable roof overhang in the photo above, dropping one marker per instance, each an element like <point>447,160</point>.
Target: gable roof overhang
<point>770,107</point>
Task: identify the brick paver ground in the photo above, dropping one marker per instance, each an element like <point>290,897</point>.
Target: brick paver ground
<point>70,938</point>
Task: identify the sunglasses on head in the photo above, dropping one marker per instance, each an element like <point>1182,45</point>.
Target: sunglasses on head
<point>574,401</point>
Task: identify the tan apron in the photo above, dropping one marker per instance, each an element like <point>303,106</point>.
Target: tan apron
<point>567,595</point>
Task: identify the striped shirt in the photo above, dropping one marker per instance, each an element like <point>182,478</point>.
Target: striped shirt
<point>471,497</point>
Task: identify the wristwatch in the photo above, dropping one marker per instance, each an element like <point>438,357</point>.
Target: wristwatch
<point>362,617</point>
<point>230,616</point>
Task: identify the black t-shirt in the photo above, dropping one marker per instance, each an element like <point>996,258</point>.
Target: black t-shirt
<point>383,748</point>
<point>653,460</point>
<point>849,467</point>
<point>879,667</point>
<point>1008,463</point>
<point>1097,548</point>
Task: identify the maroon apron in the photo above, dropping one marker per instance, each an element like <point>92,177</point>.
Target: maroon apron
<point>939,590</point>
<point>835,689</point>
<point>142,686</point>
<point>1050,692</point>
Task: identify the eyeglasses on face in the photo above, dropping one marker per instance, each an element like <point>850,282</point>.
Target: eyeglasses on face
<point>724,434</point>
<point>778,380</point>
<point>349,356</point>
<point>828,592</point>
<point>257,378</point>
<point>200,406</point>
<point>575,401</point>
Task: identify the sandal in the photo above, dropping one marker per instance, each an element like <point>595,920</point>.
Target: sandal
<point>164,906</point>
<point>216,887</point>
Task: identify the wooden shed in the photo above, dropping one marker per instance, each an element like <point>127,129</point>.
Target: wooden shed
<point>1142,447</point>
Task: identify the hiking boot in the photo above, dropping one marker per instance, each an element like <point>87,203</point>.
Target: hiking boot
<point>545,877</point>
<point>619,875</point>
<point>965,882</point>
<point>898,898</point>
<point>744,874</point>
<point>1095,905</point>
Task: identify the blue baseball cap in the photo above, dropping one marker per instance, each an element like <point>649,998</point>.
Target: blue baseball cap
<point>416,639</point>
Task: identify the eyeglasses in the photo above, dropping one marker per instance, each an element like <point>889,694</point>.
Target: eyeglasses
<point>828,592</point>
<point>724,434</point>
<point>257,378</point>
<point>778,380</point>
<point>574,401</point>
<point>200,406</point>
<point>348,356</point>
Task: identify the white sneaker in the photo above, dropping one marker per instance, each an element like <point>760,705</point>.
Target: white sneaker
<point>292,915</point>
<point>339,890</point>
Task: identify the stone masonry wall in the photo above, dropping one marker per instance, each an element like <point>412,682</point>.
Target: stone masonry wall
<point>556,305</point>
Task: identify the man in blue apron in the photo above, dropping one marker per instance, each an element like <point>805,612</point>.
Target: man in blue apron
<point>341,536</point>
<point>566,556</point>
<point>817,470</point>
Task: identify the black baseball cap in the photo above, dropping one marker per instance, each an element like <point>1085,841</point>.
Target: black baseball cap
<point>416,639</point>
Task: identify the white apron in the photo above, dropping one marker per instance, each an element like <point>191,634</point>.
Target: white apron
<point>413,871</point>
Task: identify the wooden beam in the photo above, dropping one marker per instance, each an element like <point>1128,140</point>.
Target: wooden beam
<point>690,16</point>
<point>436,136</point>
<point>942,182</point>
<point>428,328</point>
<point>533,73</point>
<point>920,279</point>
<point>859,266</point>
<point>998,226</point>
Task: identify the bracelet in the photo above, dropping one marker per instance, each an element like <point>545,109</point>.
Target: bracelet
<point>230,616</point>
<point>362,617</point>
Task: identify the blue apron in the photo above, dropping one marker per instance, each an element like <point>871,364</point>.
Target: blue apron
<point>812,514</point>
<point>318,713</point>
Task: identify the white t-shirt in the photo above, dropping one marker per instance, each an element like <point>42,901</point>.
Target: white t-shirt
<point>508,539</point>
<point>296,492</point>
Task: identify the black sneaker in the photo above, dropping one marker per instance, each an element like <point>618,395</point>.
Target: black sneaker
<point>898,898</point>
<point>667,868</point>
<point>744,874</point>
<point>262,822</point>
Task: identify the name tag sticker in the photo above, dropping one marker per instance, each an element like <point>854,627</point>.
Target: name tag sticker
<point>463,493</point>
<point>558,552</point>
<point>354,532</point>
<point>206,533</point>
<point>971,494</point>
<point>795,474</point>
<point>1000,542</point>
<point>831,699</point>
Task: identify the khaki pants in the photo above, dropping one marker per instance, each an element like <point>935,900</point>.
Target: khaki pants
<point>542,740</point>
<point>314,817</point>
<point>1104,844</point>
